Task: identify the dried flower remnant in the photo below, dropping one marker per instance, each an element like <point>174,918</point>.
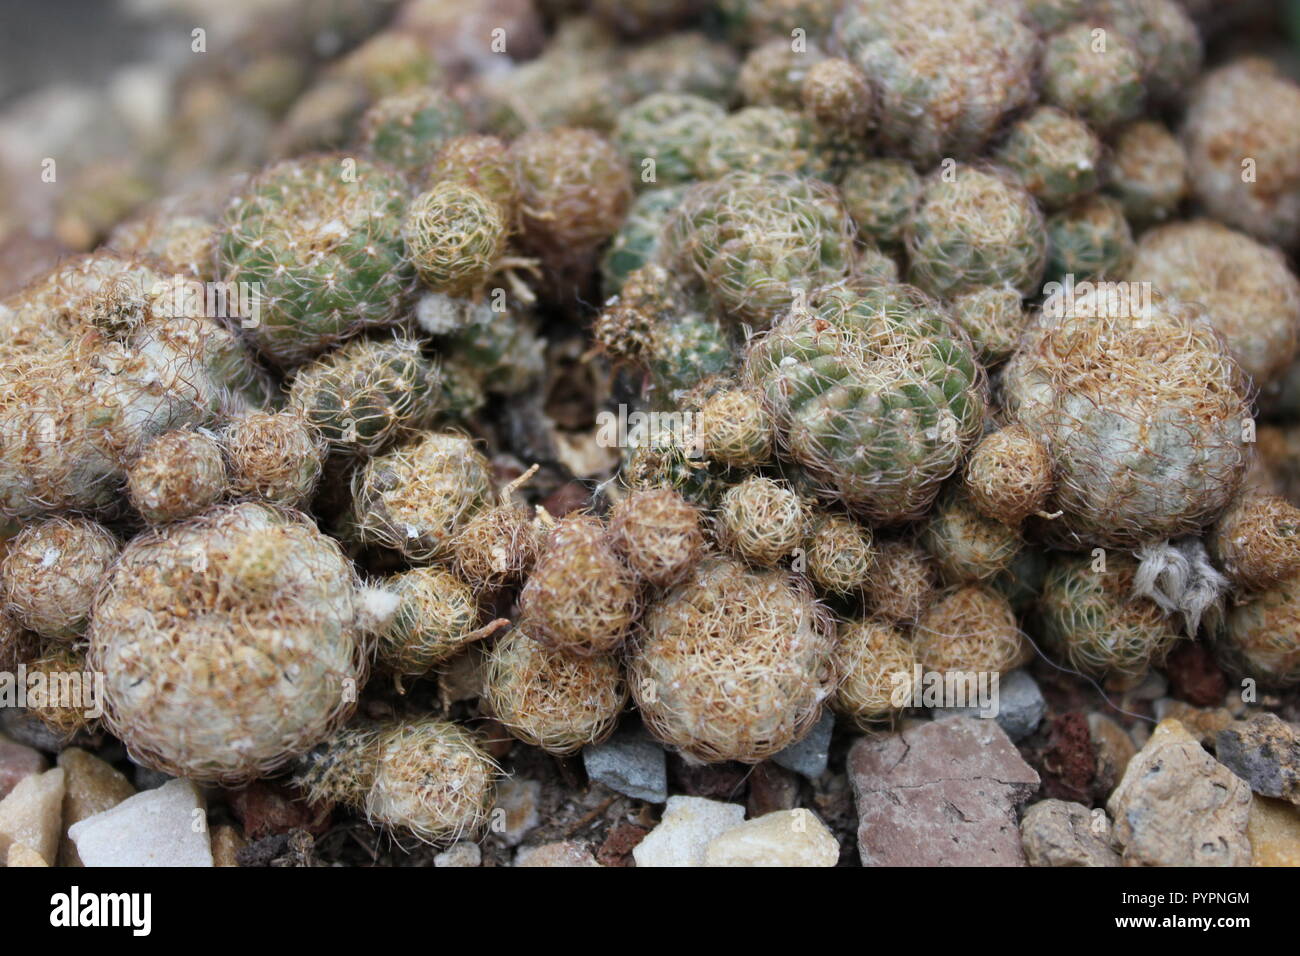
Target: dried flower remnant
<point>50,572</point>
<point>550,699</point>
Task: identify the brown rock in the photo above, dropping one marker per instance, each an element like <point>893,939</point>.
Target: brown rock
<point>265,809</point>
<point>16,762</point>
<point>619,843</point>
<point>1114,749</point>
<point>1274,831</point>
<point>1068,764</point>
<point>1178,806</point>
<point>941,795</point>
<point>1265,752</point>
<point>771,788</point>
<point>563,853</point>
<point>1194,675</point>
<point>1203,723</point>
<point>1060,833</point>
<point>714,781</point>
<point>226,844</point>
<point>90,786</point>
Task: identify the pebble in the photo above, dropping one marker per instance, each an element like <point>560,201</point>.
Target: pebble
<point>90,786</point>
<point>16,762</point>
<point>1114,747</point>
<point>32,813</point>
<point>1020,706</point>
<point>808,756</point>
<point>516,809</point>
<point>563,853</point>
<point>771,788</point>
<point>943,794</point>
<point>689,824</point>
<point>1265,752</point>
<point>631,763</point>
<point>226,844</point>
<point>1178,806</point>
<point>265,808</point>
<point>1194,675</point>
<point>160,827</point>
<point>1061,833</point>
<point>20,855</point>
<point>1274,831</point>
<point>784,838</point>
<point>26,728</point>
<point>619,844</point>
<point>1203,723</point>
<point>459,855</point>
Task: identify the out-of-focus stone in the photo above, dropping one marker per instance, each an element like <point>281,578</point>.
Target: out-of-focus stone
<point>771,788</point>
<point>1178,806</point>
<point>264,808</point>
<point>689,824</point>
<point>631,763</point>
<point>1203,723</point>
<point>808,756</point>
<point>943,794</point>
<point>32,814</point>
<point>516,810</point>
<point>462,854</point>
<point>1020,706</point>
<point>226,844</point>
<point>784,838</point>
<point>1114,748</point>
<point>90,786</point>
<point>1194,675</point>
<point>619,843</point>
<point>20,855</point>
<point>1265,752</point>
<point>160,827</point>
<point>563,853</point>
<point>16,762</point>
<point>1274,831</point>
<point>1061,833</point>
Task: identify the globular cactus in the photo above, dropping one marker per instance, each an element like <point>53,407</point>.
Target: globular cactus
<point>406,129</point>
<point>321,237</point>
<point>878,394</point>
<point>1147,171</point>
<point>425,777</point>
<point>969,628</point>
<point>435,618</point>
<point>671,131</point>
<point>1231,129</point>
<point>1256,541</point>
<point>550,699</point>
<point>838,95</point>
<point>500,346</point>
<point>684,62</point>
<point>638,240</point>
<point>941,90</point>
<point>17,644</point>
<point>1259,637</point>
<point>456,238</point>
<point>735,428</point>
<point>62,692</point>
<point>1048,16</point>
<point>1091,620</point>
<point>178,474</point>
<point>1142,410</point>
<point>1009,475</point>
<point>975,228</point>
<point>755,242</point>
<point>1089,240</point>
<point>751,22</point>
<point>763,140</point>
<point>50,572</point>
<point>994,318</point>
<point>879,194</point>
<point>658,533</point>
<point>773,73</point>
<point>1094,72</point>
<point>1166,38</point>
<point>580,597</point>
<point>1056,155</point>
<point>839,555</point>
<point>873,660</point>
<point>201,621</point>
<point>965,545</point>
<point>1252,297</point>
<point>732,664</point>
<point>762,520</point>
<point>276,456</point>
<point>902,581</point>
<point>500,543</point>
<point>481,163</point>
<point>367,393</point>
<point>417,498</point>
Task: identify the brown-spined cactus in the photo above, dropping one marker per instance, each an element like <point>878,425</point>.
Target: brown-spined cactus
<point>944,73</point>
<point>839,555</point>
<point>1091,620</point>
<point>1165,36</point>
<point>1245,164</point>
<point>762,520</point>
<point>1095,72</point>
<point>658,533</point>
<point>483,164</point>
<point>1056,155</point>
<point>773,73</point>
<point>426,777</point>
<point>436,617</point>
<point>1256,541</point>
<point>838,95</point>
<point>735,428</point>
<point>1147,172</point>
<point>1142,410</point>
<point>417,498</point>
<point>456,238</point>
<point>969,628</point>
<point>872,661</point>
<point>756,242</point>
<point>966,545</point>
<point>580,597</point>
<point>974,227</point>
<point>276,456</point>
<point>1009,475</point>
<point>732,664</point>
<point>320,238</point>
<point>50,572</point>
<point>367,393</point>
<point>553,700</point>
<point>1252,297</point>
<point>902,581</point>
<point>231,642</point>
<point>178,474</point>
<point>878,394</point>
<point>1259,637</point>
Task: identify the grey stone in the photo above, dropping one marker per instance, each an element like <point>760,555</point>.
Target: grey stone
<point>631,763</point>
<point>1020,706</point>
<point>808,756</point>
<point>161,827</point>
<point>1265,752</point>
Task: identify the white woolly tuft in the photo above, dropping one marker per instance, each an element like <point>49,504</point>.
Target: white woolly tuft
<point>1179,577</point>
<point>375,608</point>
